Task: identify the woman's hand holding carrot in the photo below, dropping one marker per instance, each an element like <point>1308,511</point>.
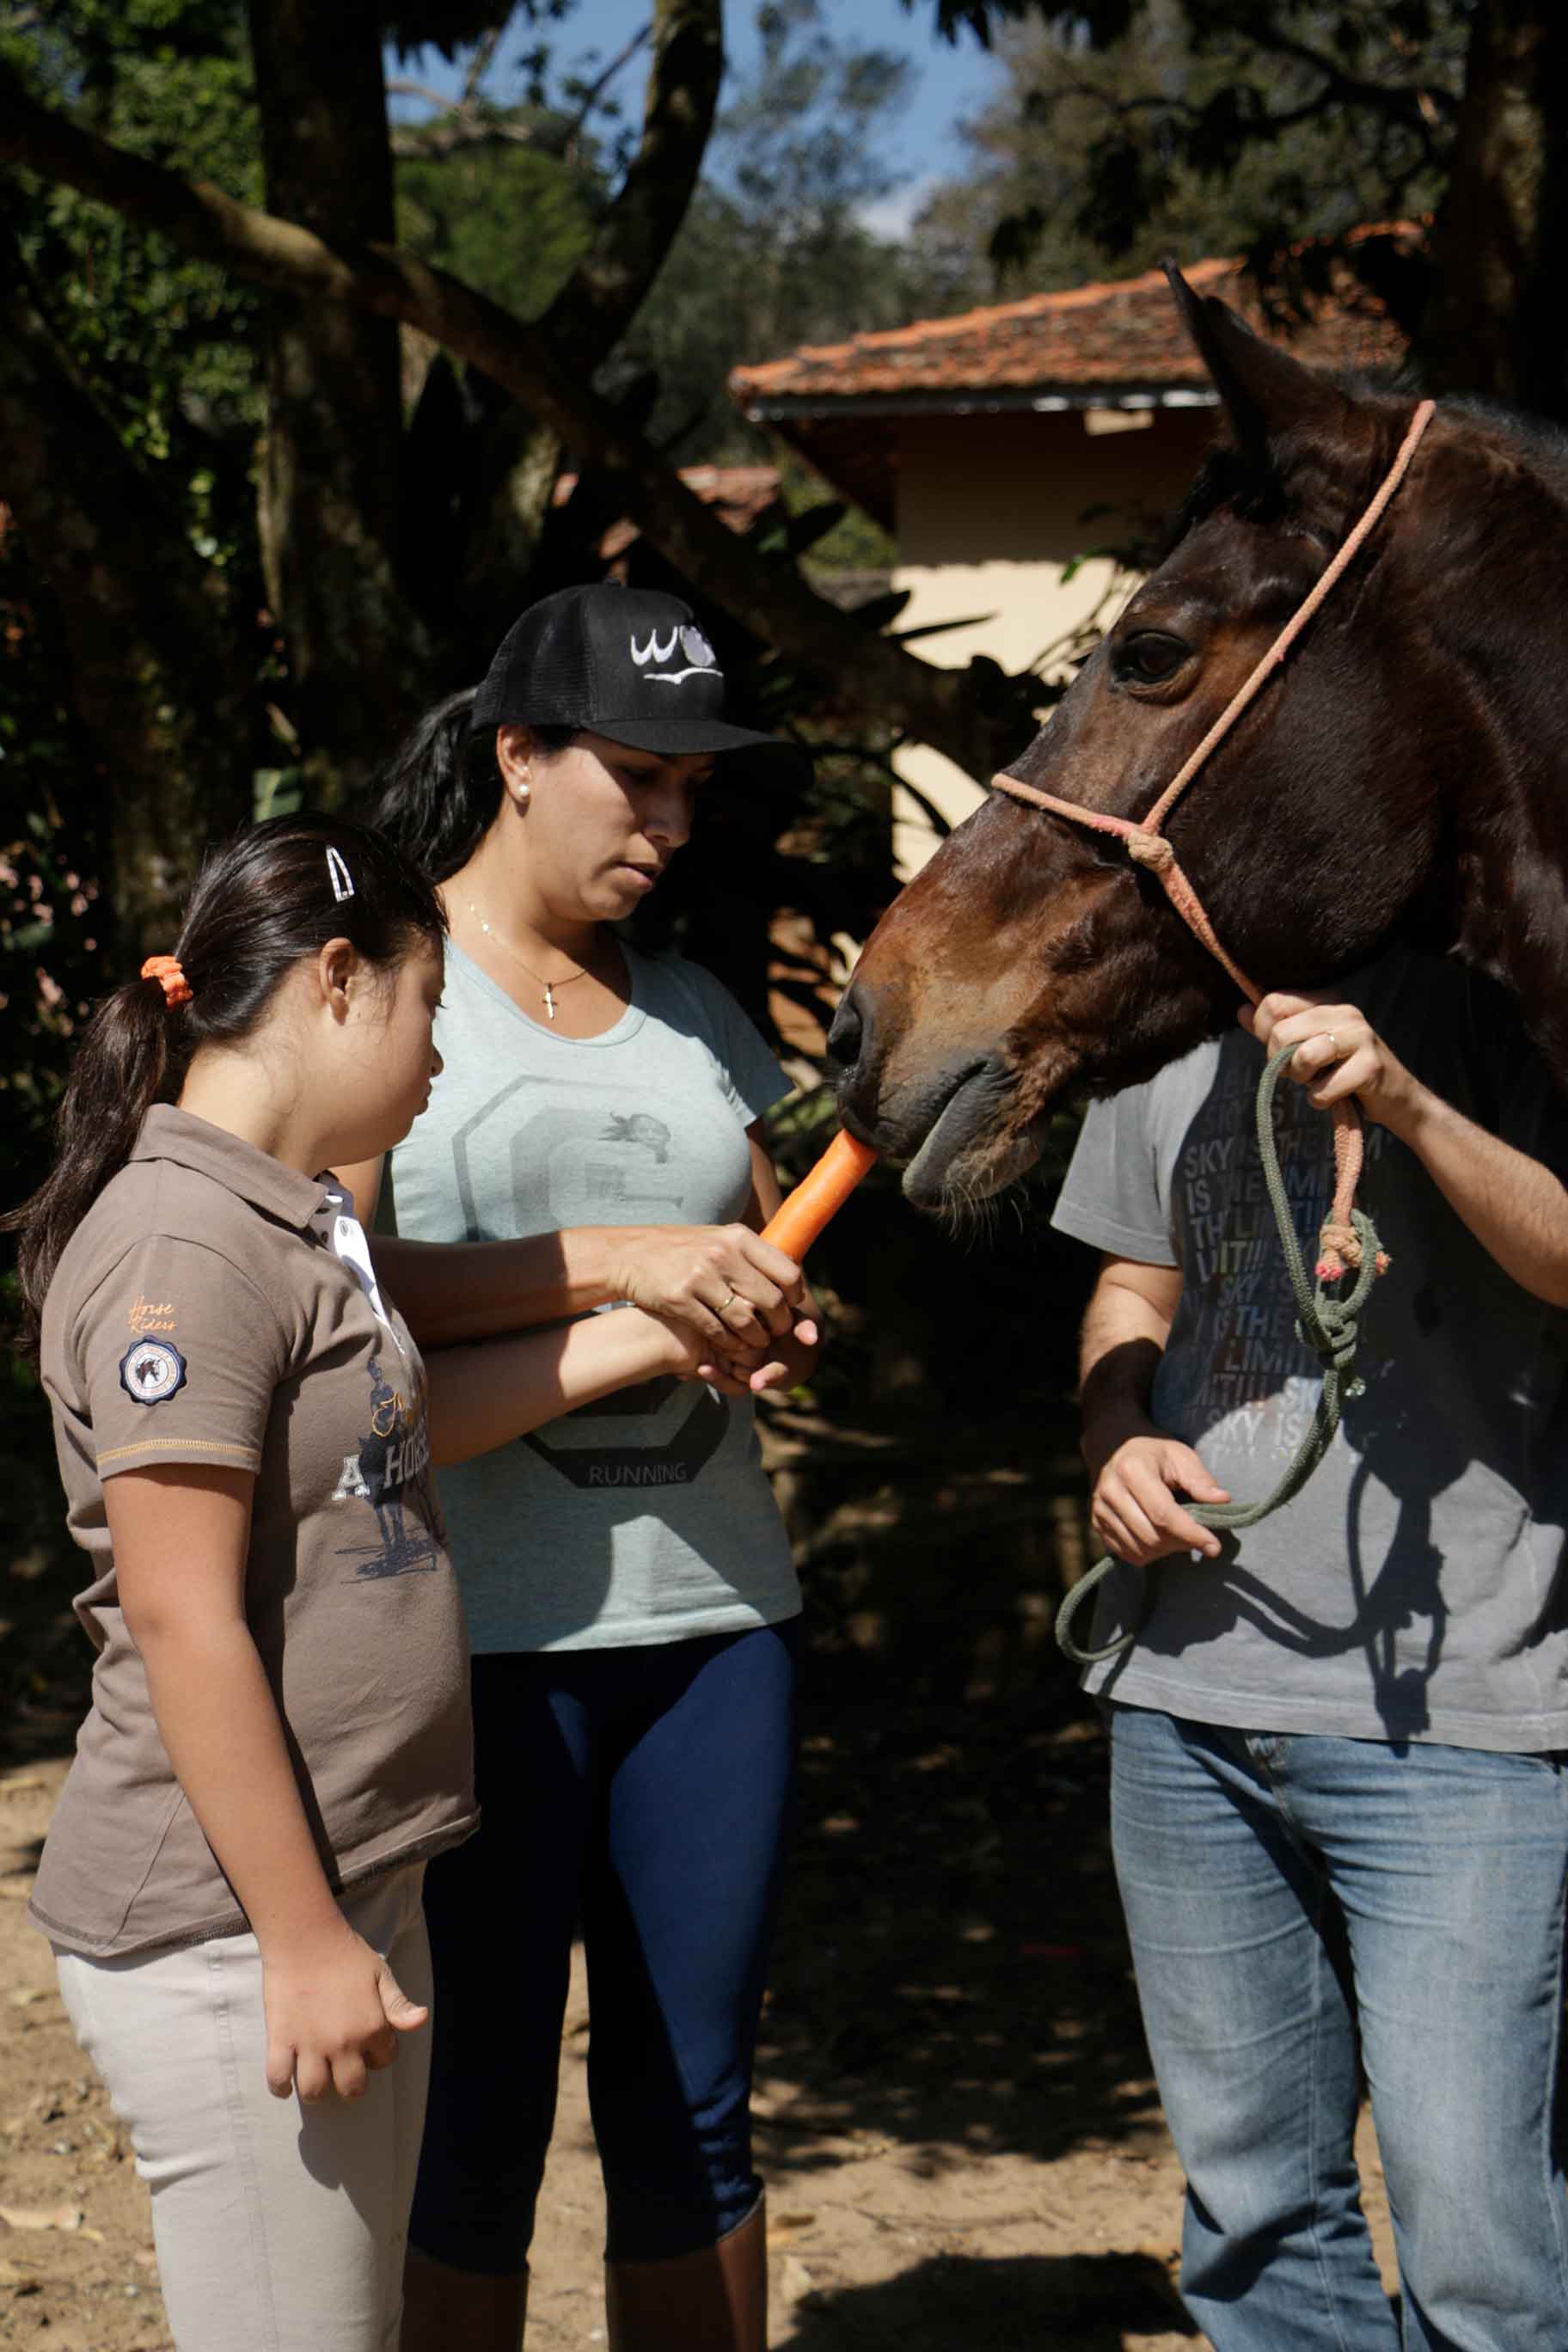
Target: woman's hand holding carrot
<point>731,1289</point>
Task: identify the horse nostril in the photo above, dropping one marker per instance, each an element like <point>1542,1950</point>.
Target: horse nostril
<point>845,1037</point>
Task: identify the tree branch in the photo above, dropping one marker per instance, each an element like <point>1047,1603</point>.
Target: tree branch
<point>1412,107</point>
<point>456,131</point>
<point>397,88</point>
<point>606,291</point>
<point>601,83</point>
<point>978,716</point>
<point>485,49</point>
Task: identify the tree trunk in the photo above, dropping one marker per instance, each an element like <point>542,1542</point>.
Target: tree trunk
<point>330,478</point>
<point>1494,323</point>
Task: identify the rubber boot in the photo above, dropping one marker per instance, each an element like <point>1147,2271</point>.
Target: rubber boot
<point>443,2308</point>
<point>715,2300</point>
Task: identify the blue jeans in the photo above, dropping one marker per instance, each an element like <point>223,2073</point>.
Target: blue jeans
<point>1305,1909</point>
<point>645,1792</point>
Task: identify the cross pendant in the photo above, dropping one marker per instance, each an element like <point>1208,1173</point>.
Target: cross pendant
<point>550,1000</point>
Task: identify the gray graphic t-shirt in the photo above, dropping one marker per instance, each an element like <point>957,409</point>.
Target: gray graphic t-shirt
<point>1415,1590</point>
<point>647,1516</point>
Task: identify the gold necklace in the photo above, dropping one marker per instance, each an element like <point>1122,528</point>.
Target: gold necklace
<point>549,986</point>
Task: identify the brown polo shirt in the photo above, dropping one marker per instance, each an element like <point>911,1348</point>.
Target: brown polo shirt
<point>199,1314</point>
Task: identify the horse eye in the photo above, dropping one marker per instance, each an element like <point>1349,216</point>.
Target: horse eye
<point>1150,656</point>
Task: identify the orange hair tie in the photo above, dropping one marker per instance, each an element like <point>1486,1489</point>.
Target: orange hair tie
<point>165,970</point>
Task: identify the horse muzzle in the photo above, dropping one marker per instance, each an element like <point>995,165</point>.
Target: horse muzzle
<point>946,1121</point>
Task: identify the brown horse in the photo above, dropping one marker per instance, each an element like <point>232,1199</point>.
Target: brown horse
<point>1403,777</point>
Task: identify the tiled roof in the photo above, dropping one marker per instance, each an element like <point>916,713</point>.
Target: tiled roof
<point>1126,334</point>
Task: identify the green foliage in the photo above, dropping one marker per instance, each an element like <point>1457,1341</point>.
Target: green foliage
<point>1141,127</point>
<point>512,220</point>
<point>53,958</point>
<point>171,344</point>
<point>453,26</point>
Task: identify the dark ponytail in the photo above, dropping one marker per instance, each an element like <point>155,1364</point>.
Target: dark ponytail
<point>440,793</point>
<point>260,904</point>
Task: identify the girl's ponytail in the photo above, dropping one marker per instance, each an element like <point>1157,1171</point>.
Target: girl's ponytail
<point>440,791</point>
<point>117,1074</point>
<point>276,893</point>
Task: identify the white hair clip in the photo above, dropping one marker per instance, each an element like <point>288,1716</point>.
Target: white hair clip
<point>338,875</point>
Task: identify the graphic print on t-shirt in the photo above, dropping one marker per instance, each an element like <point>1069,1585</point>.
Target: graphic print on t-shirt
<point>391,1471</point>
<point>1246,1354</point>
<point>576,1163</point>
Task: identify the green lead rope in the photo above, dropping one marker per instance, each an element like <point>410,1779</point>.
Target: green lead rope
<point>1328,1325</point>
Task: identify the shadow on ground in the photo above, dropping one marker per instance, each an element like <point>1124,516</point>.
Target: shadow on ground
<point>951,1967</point>
<point>1012,2305</point>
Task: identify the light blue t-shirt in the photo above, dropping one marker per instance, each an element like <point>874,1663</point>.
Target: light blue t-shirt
<point>1416,1587</point>
<point>645,1517</point>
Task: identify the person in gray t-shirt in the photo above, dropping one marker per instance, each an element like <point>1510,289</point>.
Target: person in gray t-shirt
<point>1339,1803</point>
<point>594,1139</point>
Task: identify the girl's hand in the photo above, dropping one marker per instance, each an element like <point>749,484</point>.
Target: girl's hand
<point>789,1361</point>
<point>743,1371</point>
<point>334,2011</point>
<point>1338,1052</point>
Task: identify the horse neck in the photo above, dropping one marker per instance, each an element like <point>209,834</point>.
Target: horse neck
<point>1496,631</point>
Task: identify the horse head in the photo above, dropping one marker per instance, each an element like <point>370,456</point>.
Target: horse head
<point>1399,779</point>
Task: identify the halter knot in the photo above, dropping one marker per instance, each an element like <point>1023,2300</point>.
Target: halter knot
<point>1150,849</point>
<point>1339,1245</point>
<point>1341,1248</point>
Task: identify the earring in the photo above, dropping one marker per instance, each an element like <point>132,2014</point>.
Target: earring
<point>522,790</point>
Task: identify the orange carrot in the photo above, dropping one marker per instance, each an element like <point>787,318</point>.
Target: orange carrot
<point>820,1195</point>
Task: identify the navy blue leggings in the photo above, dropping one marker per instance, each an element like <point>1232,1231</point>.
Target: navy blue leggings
<point>646,1792</point>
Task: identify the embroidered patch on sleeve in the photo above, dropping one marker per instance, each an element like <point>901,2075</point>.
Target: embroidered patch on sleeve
<point>152,1370</point>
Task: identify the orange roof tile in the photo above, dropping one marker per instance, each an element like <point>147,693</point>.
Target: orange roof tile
<point>1121,335</point>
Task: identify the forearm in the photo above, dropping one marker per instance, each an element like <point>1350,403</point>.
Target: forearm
<point>220,1727</point>
<point>1516,1208</point>
<point>449,1292</point>
<point>482,1397</point>
<point>1123,1338</point>
<point>1142,1478</point>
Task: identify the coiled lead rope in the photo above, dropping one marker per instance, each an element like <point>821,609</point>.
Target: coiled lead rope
<point>1328,1325</point>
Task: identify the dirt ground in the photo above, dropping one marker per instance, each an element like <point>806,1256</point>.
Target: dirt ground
<point>956,2121</point>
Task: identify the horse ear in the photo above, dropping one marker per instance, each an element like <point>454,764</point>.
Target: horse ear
<point>1267,394</point>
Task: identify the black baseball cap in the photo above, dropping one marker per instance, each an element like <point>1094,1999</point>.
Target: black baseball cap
<point>626,663</point>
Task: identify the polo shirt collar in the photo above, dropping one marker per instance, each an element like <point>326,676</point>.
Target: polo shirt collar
<point>170,1133</point>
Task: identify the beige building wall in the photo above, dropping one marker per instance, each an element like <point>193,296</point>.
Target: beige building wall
<point>995,513</point>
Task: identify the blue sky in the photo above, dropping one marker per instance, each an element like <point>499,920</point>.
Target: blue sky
<point>952,82</point>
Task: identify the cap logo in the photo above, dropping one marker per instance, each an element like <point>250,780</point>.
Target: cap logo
<point>700,655</point>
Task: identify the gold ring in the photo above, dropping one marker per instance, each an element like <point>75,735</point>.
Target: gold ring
<point>725,1304</point>
<point>1334,1045</point>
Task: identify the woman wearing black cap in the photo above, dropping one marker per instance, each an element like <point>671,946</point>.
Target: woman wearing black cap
<point>628,1586</point>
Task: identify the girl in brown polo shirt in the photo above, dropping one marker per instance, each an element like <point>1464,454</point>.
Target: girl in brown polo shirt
<point>279,1733</point>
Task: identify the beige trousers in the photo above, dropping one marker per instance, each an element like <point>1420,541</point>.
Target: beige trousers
<point>280,2226</point>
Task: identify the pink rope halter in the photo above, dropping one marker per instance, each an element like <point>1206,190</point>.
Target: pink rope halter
<point>1147,844</point>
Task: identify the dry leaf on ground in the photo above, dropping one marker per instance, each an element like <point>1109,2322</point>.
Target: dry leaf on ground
<point>41,2217</point>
